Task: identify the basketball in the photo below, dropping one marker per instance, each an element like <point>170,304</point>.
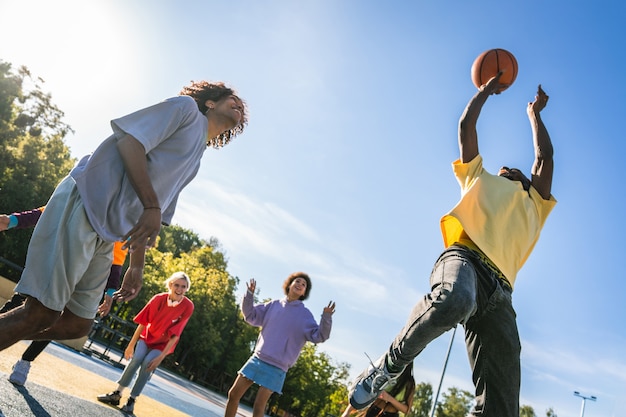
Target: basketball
<point>489,63</point>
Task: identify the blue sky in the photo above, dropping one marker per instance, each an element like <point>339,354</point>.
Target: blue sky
<point>344,170</point>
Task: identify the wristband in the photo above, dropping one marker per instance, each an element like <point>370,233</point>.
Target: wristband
<point>12,221</point>
<point>110,292</point>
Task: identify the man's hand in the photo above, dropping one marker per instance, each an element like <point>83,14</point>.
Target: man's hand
<point>541,100</point>
<point>105,307</point>
<point>145,232</point>
<point>493,85</point>
<point>131,285</point>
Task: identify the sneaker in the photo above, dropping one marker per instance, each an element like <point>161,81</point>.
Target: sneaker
<point>129,408</point>
<point>366,387</point>
<point>20,372</point>
<point>112,398</point>
<point>15,301</point>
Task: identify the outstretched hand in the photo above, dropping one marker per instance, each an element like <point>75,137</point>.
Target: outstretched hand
<point>131,285</point>
<point>330,308</point>
<point>541,100</point>
<point>251,285</point>
<point>105,307</point>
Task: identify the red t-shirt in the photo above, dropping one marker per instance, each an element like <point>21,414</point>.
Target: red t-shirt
<point>162,321</point>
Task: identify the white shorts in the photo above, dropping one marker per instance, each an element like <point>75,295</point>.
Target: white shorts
<point>67,263</point>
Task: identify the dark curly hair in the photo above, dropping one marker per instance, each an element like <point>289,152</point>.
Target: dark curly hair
<point>291,278</point>
<point>201,91</point>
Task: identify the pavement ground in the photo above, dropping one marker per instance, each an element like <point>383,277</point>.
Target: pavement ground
<point>63,382</point>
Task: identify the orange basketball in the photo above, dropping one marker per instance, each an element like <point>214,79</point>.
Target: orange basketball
<point>489,63</point>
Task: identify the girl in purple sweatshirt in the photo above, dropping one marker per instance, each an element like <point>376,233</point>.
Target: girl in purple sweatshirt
<point>286,325</point>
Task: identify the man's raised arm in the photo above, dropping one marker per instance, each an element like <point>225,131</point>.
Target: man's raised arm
<point>468,138</point>
<point>543,167</point>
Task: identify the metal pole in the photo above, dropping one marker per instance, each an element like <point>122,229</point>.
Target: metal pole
<point>445,364</point>
<point>582,408</point>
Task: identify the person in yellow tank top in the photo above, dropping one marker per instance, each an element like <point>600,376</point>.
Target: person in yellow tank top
<point>487,236</point>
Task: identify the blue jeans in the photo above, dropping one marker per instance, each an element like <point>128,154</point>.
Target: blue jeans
<point>465,290</point>
<point>140,360</point>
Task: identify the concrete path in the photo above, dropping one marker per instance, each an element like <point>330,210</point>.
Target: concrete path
<point>64,382</point>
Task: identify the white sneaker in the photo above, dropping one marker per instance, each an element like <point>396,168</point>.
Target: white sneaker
<point>20,372</point>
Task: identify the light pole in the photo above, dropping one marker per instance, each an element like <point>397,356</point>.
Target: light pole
<point>582,409</point>
<point>445,364</point>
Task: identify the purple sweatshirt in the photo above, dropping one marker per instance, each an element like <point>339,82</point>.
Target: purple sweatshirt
<point>285,328</point>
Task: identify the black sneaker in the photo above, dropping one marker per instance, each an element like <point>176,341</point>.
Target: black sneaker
<point>112,398</point>
<point>129,408</point>
<point>366,387</point>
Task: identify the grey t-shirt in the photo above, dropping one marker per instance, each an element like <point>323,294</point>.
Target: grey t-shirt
<point>174,135</point>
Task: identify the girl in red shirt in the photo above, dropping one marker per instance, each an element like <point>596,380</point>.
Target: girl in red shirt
<point>160,324</point>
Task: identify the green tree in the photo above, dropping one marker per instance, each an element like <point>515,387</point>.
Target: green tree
<point>422,400</point>
<point>550,412</point>
<point>338,401</point>
<point>456,403</point>
<point>33,154</point>
<point>527,411</point>
<point>176,240</point>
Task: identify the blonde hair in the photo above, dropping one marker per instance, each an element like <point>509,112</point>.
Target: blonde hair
<point>175,277</point>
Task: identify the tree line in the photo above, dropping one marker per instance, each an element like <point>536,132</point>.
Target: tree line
<point>216,341</point>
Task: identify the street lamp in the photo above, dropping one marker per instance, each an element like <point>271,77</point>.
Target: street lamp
<point>582,409</point>
<point>445,364</point>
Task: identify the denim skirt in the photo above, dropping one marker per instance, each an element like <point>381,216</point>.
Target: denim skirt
<point>264,374</point>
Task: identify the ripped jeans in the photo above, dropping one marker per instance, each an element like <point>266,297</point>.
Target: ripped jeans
<point>464,290</point>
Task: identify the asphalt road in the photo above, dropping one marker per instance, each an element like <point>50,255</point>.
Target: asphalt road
<point>63,382</point>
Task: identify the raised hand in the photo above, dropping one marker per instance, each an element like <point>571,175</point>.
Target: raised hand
<point>330,308</point>
<point>251,285</point>
<point>541,100</point>
<point>493,85</point>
